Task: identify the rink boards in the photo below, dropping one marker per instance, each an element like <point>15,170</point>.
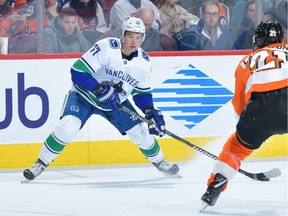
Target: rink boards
<point>193,90</point>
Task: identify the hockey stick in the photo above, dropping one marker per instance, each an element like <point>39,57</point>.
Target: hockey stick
<point>263,176</point>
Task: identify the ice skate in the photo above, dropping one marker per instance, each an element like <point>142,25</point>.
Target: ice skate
<point>38,167</point>
<point>166,167</point>
<point>210,197</point>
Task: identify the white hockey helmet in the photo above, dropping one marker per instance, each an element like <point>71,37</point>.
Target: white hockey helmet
<point>134,24</point>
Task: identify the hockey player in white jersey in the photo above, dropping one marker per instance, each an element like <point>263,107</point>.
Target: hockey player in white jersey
<point>104,76</point>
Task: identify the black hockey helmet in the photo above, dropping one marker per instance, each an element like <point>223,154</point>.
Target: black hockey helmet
<point>267,32</point>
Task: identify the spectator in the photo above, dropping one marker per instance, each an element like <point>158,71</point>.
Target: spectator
<point>238,12</point>
<point>279,13</point>
<point>61,3</point>
<point>167,43</point>
<point>269,4</point>
<point>243,35</point>
<point>189,5</point>
<point>106,6</point>
<point>154,40</point>
<point>11,3</point>
<point>63,36</point>
<point>91,20</point>
<point>24,21</point>
<point>209,34</point>
<point>23,44</point>
<point>21,28</point>
<point>52,9</point>
<point>224,15</point>
<point>124,8</point>
<point>20,3</point>
<point>174,18</point>
<point>5,9</point>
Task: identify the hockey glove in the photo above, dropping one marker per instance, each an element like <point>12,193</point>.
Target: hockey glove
<point>107,97</point>
<point>157,117</point>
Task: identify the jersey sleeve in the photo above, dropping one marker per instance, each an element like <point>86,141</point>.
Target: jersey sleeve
<point>89,63</point>
<point>238,99</point>
<point>142,94</point>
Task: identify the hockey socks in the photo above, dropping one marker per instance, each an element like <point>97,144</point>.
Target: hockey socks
<point>51,148</point>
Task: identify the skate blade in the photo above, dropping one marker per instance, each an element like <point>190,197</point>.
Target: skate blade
<point>173,176</point>
<point>203,207</point>
<point>25,181</point>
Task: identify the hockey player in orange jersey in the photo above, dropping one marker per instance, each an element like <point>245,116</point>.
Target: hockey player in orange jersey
<point>260,101</point>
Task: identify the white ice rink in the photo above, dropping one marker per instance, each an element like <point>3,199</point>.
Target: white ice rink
<point>141,190</point>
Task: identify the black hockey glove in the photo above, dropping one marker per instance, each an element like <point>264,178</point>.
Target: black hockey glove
<point>157,117</point>
<point>107,97</point>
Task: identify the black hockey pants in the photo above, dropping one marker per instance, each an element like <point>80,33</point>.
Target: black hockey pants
<point>264,115</point>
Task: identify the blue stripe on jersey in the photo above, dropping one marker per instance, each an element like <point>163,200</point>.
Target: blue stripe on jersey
<point>143,89</point>
<point>87,64</point>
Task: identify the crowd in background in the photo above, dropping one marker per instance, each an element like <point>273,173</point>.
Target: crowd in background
<point>73,26</point>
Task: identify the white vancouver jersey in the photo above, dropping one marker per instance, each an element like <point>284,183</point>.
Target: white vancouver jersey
<point>105,63</point>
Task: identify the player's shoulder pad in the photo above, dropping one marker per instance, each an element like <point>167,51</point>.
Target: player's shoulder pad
<point>145,55</point>
<point>114,43</point>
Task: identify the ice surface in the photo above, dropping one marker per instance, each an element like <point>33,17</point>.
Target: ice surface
<point>141,190</point>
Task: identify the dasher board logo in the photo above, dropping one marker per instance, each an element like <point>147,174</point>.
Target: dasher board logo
<point>190,96</point>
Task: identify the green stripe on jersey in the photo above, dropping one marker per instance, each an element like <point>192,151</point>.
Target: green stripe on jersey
<point>80,65</point>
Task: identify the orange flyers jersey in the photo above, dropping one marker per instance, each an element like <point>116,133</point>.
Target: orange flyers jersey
<point>263,70</point>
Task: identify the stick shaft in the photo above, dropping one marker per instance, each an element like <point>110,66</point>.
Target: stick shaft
<point>149,122</point>
<point>257,176</point>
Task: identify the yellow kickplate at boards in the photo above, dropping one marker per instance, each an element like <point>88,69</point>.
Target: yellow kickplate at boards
<point>96,153</point>
<point>85,153</point>
<point>275,146</point>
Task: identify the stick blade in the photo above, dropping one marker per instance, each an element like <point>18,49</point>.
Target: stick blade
<point>266,176</point>
<point>263,176</point>
<point>272,173</point>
